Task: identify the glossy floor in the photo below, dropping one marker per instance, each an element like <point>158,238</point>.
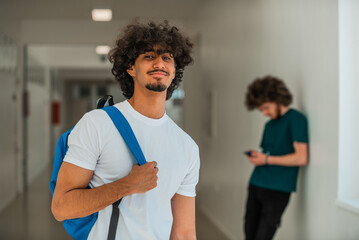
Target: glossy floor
<point>29,217</point>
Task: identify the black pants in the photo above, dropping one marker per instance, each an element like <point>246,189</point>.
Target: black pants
<point>263,212</point>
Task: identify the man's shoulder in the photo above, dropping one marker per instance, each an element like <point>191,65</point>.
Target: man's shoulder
<point>99,116</point>
<point>296,114</point>
<point>181,134</point>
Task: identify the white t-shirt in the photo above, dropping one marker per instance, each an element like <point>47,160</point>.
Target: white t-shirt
<point>96,144</point>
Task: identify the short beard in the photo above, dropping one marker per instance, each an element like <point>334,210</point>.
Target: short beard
<point>159,87</point>
<point>278,112</point>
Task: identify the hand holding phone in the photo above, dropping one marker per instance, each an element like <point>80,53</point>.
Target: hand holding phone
<point>248,153</point>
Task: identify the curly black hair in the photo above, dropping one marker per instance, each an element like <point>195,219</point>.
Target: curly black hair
<point>138,38</point>
<point>267,89</point>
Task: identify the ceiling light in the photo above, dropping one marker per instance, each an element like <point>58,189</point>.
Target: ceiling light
<point>102,15</point>
<point>102,49</point>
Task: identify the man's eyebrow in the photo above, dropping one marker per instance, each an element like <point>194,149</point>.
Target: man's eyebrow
<point>159,51</point>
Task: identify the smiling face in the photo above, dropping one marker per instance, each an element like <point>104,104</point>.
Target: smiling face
<point>153,70</point>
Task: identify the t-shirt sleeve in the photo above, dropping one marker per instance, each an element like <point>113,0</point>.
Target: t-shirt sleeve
<point>188,185</point>
<point>299,129</point>
<point>83,144</point>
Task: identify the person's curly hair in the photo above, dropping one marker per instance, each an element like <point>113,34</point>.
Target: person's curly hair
<point>138,38</point>
<point>267,89</point>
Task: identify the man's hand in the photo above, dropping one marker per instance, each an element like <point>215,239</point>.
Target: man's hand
<point>257,158</point>
<point>72,200</point>
<point>298,158</point>
<point>143,178</point>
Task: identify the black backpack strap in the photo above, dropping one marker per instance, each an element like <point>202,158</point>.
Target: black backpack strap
<point>114,220</point>
<point>105,101</point>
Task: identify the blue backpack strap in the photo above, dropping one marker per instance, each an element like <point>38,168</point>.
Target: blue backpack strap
<point>129,137</point>
<point>125,130</point>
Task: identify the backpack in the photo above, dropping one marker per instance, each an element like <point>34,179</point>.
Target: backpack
<point>79,228</point>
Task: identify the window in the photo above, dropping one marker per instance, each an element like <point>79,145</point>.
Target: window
<point>348,175</point>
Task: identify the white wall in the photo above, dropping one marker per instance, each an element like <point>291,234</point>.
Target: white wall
<point>193,101</point>
<point>8,180</point>
<point>10,27</point>
<point>38,120</point>
<point>297,41</point>
<point>348,189</point>
<point>10,159</point>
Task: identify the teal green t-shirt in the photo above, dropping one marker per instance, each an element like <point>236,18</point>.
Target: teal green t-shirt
<point>278,138</point>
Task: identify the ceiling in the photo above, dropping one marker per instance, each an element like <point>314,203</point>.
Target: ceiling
<point>81,9</point>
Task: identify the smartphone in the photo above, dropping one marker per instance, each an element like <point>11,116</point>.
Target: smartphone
<point>248,153</point>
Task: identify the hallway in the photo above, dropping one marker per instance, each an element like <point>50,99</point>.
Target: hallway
<point>51,74</point>
<point>29,217</point>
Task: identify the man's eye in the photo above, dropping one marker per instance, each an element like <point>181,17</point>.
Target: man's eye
<point>148,56</point>
<point>166,58</point>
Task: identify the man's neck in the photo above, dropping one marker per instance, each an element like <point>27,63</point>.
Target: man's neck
<point>283,110</point>
<point>152,106</point>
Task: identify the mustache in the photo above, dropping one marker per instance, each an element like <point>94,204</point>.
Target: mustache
<point>153,71</point>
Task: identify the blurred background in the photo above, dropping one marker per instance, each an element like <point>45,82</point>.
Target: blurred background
<point>51,74</point>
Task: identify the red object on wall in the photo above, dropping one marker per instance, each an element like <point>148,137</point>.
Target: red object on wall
<point>55,112</point>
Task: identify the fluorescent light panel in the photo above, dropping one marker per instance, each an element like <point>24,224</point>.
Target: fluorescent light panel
<point>102,49</point>
<point>102,15</point>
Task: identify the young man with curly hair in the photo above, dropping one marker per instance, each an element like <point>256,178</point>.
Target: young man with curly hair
<point>158,197</point>
<point>284,148</point>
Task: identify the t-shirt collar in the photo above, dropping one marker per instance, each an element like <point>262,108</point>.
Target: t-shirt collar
<point>143,118</point>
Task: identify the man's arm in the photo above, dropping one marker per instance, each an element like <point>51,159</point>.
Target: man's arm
<point>72,200</point>
<point>298,158</point>
<point>184,219</point>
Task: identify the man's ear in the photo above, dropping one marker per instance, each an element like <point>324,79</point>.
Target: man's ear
<point>131,71</point>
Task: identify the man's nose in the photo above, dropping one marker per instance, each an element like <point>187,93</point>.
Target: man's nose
<point>158,63</point>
